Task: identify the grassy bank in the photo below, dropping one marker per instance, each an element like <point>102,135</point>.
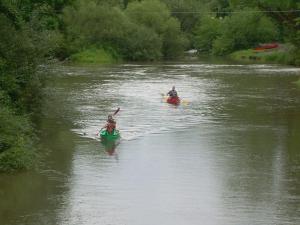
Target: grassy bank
<point>95,56</point>
<point>281,55</point>
<point>298,82</point>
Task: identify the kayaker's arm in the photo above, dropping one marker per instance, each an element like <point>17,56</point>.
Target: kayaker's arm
<point>105,126</point>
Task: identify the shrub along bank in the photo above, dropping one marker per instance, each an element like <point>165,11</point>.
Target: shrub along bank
<point>29,34</point>
<point>281,55</point>
<point>144,31</point>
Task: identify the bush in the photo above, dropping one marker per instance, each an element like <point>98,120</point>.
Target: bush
<point>16,159</point>
<point>20,53</point>
<point>222,46</point>
<point>151,13</point>
<point>296,41</point>
<point>272,56</point>
<point>16,140</point>
<point>24,44</point>
<point>102,25</point>
<point>91,24</point>
<point>208,29</point>
<point>187,20</point>
<point>141,43</point>
<point>94,55</point>
<point>242,32</point>
<point>156,18</point>
<point>144,31</point>
<point>174,42</point>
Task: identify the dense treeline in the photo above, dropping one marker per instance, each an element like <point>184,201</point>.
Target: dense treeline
<point>105,31</point>
<point>142,31</point>
<point>163,29</point>
<point>244,24</point>
<point>29,34</point>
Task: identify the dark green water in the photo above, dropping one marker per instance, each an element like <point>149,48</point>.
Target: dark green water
<point>230,154</point>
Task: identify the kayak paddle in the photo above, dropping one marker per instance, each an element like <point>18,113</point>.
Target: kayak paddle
<point>118,109</point>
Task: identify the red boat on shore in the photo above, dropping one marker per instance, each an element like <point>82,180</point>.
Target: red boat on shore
<point>266,46</point>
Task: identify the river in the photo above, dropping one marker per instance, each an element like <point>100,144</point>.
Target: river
<point>229,154</point>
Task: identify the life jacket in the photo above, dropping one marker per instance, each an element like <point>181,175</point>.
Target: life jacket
<point>110,126</point>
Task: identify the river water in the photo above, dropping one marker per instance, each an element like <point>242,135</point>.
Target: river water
<point>229,154</point>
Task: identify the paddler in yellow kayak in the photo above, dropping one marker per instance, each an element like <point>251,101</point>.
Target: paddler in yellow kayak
<point>173,97</point>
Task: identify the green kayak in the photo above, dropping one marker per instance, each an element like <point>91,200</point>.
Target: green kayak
<point>109,136</point>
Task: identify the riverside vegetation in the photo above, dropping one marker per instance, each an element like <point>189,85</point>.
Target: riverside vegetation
<point>108,31</point>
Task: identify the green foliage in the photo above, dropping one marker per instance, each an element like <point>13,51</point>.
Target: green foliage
<point>296,56</point>
<point>93,56</point>
<point>298,82</point>
<point>20,88</point>
<point>138,33</point>
<point>174,42</point>
<point>188,12</point>
<point>222,36</point>
<point>243,32</point>
<point>282,56</point>
<point>19,56</point>
<point>220,7</point>
<point>243,26</point>
<point>29,35</point>
<point>241,4</point>
<point>296,40</point>
<point>155,16</point>
<point>206,32</point>
<point>288,20</point>
<point>150,13</point>
<point>142,44</point>
<point>92,24</point>
<point>16,140</point>
<point>279,4</point>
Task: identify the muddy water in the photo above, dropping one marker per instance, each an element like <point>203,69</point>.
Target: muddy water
<point>229,154</point>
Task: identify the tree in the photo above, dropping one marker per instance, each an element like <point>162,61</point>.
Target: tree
<point>240,32</point>
<point>284,11</point>
<point>92,24</point>
<point>141,44</point>
<point>24,44</point>
<point>150,13</point>
<point>156,16</point>
<point>207,30</point>
<point>174,42</point>
<point>287,15</point>
<point>188,12</point>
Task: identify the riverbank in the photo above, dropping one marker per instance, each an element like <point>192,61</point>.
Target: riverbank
<point>298,82</point>
<point>17,141</point>
<point>95,56</point>
<point>283,54</point>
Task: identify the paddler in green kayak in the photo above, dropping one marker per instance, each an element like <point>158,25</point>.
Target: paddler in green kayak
<point>110,125</point>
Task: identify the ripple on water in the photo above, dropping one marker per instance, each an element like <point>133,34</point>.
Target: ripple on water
<point>138,89</point>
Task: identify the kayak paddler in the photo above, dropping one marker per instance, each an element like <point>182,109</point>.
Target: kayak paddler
<point>110,124</point>
<point>173,93</point>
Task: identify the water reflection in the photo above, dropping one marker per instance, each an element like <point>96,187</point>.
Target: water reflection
<point>110,147</point>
